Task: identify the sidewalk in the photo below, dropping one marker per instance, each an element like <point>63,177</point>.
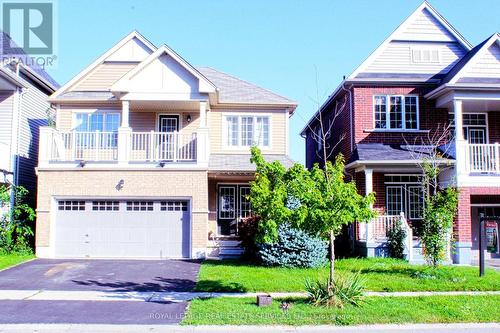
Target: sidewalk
<point>65,295</point>
<point>411,328</point>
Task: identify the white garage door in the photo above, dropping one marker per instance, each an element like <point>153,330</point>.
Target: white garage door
<point>122,229</point>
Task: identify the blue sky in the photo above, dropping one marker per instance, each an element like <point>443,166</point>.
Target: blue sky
<point>279,45</point>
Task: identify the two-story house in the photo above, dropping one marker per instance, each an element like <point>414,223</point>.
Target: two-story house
<point>150,157</point>
<point>24,90</point>
<point>423,79</point>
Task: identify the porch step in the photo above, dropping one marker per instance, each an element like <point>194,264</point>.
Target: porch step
<point>227,248</point>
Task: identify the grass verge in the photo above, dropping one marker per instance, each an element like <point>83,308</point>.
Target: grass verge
<point>380,274</point>
<point>7,260</point>
<point>376,310</point>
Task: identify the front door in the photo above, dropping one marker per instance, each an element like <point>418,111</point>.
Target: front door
<point>233,205</point>
<point>168,126</point>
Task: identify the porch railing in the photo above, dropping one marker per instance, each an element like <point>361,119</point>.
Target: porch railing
<point>88,146</point>
<point>483,158</point>
<point>376,230</point>
<point>159,146</point>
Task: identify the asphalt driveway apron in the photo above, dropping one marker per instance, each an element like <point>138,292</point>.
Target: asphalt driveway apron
<point>111,276</point>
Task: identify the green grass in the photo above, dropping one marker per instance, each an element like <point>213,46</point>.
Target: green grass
<point>380,275</point>
<point>376,310</point>
<point>7,260</point>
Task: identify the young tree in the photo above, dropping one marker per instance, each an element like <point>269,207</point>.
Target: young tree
<point>440,202</point>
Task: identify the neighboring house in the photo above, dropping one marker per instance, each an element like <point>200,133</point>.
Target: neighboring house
<point>422,78</point>
<point>150,157</point>
<point>23,110</point>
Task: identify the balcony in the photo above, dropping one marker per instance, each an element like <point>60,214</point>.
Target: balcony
<point>122,147</point>
<point>483,159</point>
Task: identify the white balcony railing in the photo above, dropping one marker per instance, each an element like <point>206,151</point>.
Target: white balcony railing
<point>159,146</point>
<point>483,158</point>
<point>124,146</point>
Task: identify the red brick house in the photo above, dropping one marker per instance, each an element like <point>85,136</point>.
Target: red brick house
<point>424,77</point>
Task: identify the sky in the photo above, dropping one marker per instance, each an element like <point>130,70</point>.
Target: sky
<point>298,49</point>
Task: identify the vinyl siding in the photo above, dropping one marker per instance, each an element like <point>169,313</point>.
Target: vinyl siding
<point>33,114</point>
<point>424,27</point>
<point>103,77</point>
<point>278,131</point>
<point>397,58</point>
<point>6,107</point>
<point>488,64</point>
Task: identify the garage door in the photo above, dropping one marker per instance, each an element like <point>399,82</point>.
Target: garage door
<point>122,229</point>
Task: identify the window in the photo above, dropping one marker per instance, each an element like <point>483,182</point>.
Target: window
<point>71,205</point>
<point>425,55</point>
<point>395,112</point>
<point>245,131</point>
<point>139,205</point>
<point>89,123</point>
<point>404,193</point>
<point>103,205</point>
<point>474,127</point>
<point>245,205</point>
<point>174,206</point>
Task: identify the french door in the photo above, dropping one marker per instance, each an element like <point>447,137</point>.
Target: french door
<point>232,206</point>
<point>405,198</point>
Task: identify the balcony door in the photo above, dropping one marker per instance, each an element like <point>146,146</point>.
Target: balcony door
<point>166,142</point>
<point>232,206</point>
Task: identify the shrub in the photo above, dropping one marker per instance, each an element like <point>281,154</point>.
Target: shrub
<point>247,230</point>
<point>346,290</point>
<point>396,240</point>
<point>294,248</point>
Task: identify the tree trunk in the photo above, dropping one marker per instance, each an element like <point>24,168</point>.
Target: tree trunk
<point>332,262</point>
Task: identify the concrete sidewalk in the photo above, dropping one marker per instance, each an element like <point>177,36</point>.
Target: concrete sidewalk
<point>411,328</point>
<point>172,296</point>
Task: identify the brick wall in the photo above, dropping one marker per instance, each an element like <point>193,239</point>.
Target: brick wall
<point>137,183</point>
<point>430,117</point>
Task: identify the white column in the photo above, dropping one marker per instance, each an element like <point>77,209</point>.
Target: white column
<point>461,147</point>
<point>368,190</point>
<point>125,113</point>
<point>203,114</point>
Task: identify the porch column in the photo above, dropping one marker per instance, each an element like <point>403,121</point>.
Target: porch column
<point>125,113</point>
<point>124,135</point>
<point>461,165</point>
<point>368,189</point>
<point>203,114</point>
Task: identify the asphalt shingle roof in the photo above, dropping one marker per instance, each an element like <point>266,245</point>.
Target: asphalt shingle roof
<point>235,90</point>
<point>241,162</point>
<point>381,152</point>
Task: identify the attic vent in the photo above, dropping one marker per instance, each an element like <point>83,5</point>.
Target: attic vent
<point>424,55</point>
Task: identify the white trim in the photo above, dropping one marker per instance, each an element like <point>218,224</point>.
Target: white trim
<point>486,126</point>
<point>89,112</point>
<point>219,210</point>
<point>179,121</point>
<point>75,79</point>
<point>474,59</point>
<point>434,13</point>
<point>205,85</point>
<point>403,113</point>
<point>422,48</point>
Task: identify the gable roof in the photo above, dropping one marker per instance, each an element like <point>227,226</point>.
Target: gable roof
<point>233,90</point>
<point>204,84</point>
<point>399,34</point>
<point>469,59</point>
<point>99,60</point>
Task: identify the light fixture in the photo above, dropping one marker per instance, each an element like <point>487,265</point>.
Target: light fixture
<point>188,118</point>
<point>81,163</point>
<point>120,184</point>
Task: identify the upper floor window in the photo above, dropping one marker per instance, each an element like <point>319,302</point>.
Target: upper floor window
<point>97,121</point>
<point>421,55</point>
<point>247,130</point>
<point>395,111</point>
<point>475,127</point>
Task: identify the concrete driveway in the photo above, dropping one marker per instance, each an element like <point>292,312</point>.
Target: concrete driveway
<point>141,277</point>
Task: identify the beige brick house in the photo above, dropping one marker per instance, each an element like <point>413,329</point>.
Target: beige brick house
<point>150,157</point>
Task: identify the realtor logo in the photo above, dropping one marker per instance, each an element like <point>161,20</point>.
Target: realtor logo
<point>29,31</point>
<point>30,25</point>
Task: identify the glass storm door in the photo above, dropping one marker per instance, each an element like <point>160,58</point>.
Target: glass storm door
<point>233,205</point>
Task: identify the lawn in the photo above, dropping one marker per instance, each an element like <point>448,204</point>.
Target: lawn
<point>7,260</point>
<point>380,274</point>
<point>376,310</point>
